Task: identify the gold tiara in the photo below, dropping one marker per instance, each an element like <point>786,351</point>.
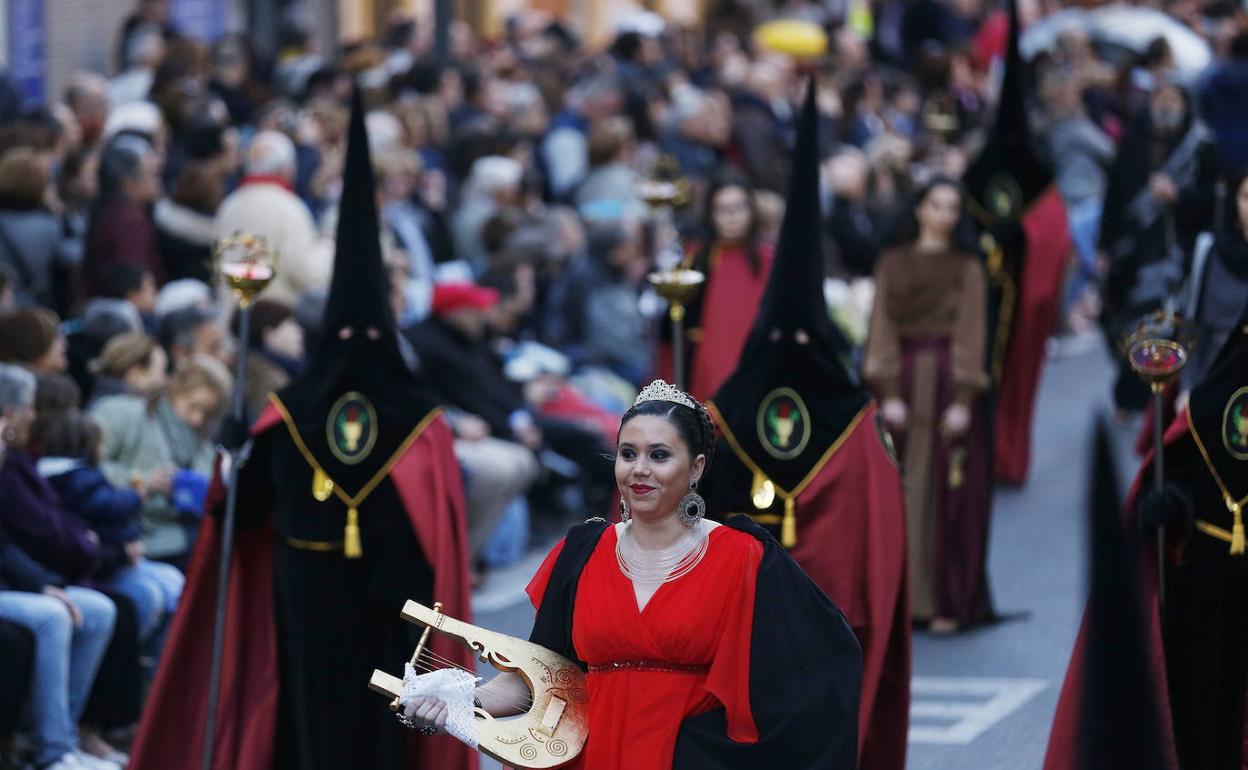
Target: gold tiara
<point>660,390</point>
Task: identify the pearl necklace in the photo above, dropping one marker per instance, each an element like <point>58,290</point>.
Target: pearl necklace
<point>672,563</point>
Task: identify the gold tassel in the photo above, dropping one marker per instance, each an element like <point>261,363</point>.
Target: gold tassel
<point>788,528</point>
<point>351,537</point>
<point>1237,530</point>
<point>762,492</point>
<point>322,485</point>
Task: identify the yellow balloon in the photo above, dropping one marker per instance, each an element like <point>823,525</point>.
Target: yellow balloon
<point>793,37</point>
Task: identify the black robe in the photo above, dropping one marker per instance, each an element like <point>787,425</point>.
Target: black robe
<point>805,665</point>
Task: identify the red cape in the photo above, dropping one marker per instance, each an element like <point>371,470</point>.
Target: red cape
<point>1064,752</point>
<point>170,735</point>
<point>851,540</point>
<point>1035,315</point>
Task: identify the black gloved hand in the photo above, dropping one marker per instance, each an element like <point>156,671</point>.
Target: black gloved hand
<point>233,434</point>
<point>1167,507</point>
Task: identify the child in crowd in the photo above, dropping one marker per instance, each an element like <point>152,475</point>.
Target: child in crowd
<point>71,447</point>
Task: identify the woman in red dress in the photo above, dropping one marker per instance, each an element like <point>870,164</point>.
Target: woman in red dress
<point>706,646</point>
<point>736,262</point>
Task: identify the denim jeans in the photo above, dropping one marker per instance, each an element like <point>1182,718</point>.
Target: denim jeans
<point>66,659</point>
<point>154,587</point>
<point>1084,220</point>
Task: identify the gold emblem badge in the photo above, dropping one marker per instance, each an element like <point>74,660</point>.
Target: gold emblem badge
<point>783,424</point>
<point>351,428</point>
<point>1003,197</point>
<point>1235,425</point>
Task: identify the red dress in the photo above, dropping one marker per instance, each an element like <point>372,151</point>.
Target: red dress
<point>729,305</point>
<point>697,628</point>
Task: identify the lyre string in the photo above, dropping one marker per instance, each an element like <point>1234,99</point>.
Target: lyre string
<point>524,703</point>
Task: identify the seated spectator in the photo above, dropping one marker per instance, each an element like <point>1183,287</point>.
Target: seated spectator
<point>161,447</point>
<point>274,351</point>
<point>495,435</point>
<point>184,292</point>
<point>120,229</point>
<point>615,335</point>
<point>266,205</point>
<point>611,179</point>
<point>133,285</point>
<point>42,550</point>
<point>193,331</point>
<point>102,319</point>
<point>71,442</point>
<point>31,242</point>
<point>130,363</point>
<point>31,337</point>
<point>72,626</point>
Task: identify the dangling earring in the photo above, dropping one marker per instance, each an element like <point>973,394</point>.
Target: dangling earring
<point>692,506</point>
<point>625,514</point>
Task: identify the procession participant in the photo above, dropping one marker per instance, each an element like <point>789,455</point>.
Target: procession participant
<point>1203,659</point>
<point>803,454</point>
<point>707,647</point>
<point>350,504</point>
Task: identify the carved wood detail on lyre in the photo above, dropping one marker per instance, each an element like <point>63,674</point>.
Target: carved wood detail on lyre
<point>552,732</point>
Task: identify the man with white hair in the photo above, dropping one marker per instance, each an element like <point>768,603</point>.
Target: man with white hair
<point>86,94</point>
<point>265,204</point>
<point>493,185</point>
<point>144,51</point>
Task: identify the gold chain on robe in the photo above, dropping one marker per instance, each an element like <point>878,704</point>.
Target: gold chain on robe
<point>323,486</point>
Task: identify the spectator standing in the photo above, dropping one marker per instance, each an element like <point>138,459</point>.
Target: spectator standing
<point>274,349</point>
<point>120,229</point>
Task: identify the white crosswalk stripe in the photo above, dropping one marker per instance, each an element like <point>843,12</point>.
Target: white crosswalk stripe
<point>955,710</point>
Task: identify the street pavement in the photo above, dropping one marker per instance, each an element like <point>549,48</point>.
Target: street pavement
<point>984,699</point>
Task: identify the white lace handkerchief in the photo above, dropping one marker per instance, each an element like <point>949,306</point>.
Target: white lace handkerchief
<point>455,687</point>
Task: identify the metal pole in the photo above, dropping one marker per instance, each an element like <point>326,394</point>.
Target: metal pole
<point>1159,480</point>
<point>677,315</point>
<point>238,411</point>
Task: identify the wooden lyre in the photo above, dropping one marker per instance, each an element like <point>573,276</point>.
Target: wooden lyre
<point>551,733</point>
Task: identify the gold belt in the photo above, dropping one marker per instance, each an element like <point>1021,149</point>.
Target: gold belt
<point>314,545</point>
<point>648,665</point>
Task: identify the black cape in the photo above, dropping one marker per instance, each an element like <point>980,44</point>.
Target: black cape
<point>805,665</point>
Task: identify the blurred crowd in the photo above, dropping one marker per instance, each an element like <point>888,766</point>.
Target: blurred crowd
<point>511,184</point>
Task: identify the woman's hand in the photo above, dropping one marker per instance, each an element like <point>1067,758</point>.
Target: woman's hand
<point>63,597</point>
<point>895,414</point>
<point>427,712</point>
<point>956,422</point>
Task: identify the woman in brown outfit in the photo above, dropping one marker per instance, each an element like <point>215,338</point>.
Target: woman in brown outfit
<point>925,361</point>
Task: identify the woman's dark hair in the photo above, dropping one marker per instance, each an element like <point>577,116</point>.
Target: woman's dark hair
<point>695,426</point>
<point>906,230</point>
<point>71,434</point>
<point>720,183</point>
<point>120,162</point>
